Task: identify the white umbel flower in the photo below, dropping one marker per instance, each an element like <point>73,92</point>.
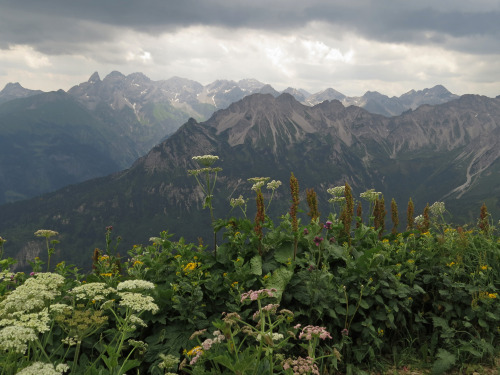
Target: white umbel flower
<point>15,339</point>
<point>40,368</point>
<point>92,291</point>
<point>138,302</point>
<point>33,294</point>
<point>135,285</point>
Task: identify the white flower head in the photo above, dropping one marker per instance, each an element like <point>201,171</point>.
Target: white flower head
<point>32,295</point>
<point>337,191</point>
<point>92,291</point>
<point>273,185</point>
<point>419,220</point>
<point>236,202</point>
<point>15,339</point>
<point>206,160</point>
<point>437,209</point>
<point>138,302</point>
<point>370,195</point>
<point>258,182</point>
<point>135,285</point>
<point>41,368</point>
<point>47,233</point>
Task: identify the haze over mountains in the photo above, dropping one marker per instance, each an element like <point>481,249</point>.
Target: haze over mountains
<point>444,152</point>
<point>50,140</point>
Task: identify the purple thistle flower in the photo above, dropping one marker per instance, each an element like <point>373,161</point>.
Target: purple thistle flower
<point>328,225</point>
<point>318,240</point>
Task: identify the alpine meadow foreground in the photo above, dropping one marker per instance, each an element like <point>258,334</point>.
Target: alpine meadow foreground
<point>341,293</point>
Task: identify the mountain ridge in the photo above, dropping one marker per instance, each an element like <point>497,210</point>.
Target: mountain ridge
<point>324,146</point>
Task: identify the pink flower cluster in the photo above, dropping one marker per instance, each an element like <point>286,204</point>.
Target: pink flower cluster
<point>271,309</point>
<point>257,294</point>
<point>308,332</point>
<point>301,366</point>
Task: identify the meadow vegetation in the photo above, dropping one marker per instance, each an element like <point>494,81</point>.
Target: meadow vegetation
<point>309,293</point>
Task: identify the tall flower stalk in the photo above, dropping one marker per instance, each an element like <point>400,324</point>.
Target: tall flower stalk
<point>260,217</point>
<point>47,233</point>
<point>2,241</point>
<point>409,215</point>
<point>206,178</point>
<point>347,212</point>
<point>394,216</point>
<point>312,202</point>
<point>294,190</point>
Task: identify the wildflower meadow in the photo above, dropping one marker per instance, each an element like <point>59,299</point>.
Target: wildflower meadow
<point>348,292</point>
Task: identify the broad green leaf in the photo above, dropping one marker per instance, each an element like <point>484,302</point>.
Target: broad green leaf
<point>256,265</point>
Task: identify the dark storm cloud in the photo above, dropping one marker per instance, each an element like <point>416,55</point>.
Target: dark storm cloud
<point>61,26</point>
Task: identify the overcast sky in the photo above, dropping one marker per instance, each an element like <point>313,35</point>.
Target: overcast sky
<point>353,46</point>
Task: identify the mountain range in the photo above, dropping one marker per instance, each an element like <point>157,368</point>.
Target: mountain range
<point>50,140</point>
<point>447,152</point>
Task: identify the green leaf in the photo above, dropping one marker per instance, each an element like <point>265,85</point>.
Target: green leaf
<point>129,365</point>
<point>284,254</point>
<point>482,323</point>
<point>256,265</point>
<point>445,361</point>
<point>279,280</point>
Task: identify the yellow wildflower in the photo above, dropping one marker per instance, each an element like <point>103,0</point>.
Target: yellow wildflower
<point>410,261</point>
<point>451,264</point>
<point>492,295</point>
<point>194,351</point>
<point>190,266</point>
<point>234,284</point>
<point>484,267</point>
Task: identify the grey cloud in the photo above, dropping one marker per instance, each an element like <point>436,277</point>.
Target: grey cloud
<point>55,26</point>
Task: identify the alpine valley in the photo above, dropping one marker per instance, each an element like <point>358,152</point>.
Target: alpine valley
<point>444,152</point>
<point>50,140</point>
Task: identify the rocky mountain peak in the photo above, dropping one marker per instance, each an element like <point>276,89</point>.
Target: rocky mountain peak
<point>250,84</point>
<point>94,78</point>
<point>14,91</point>
<point>268,89</point>
<point>12,86</point>
<point>138,78</point>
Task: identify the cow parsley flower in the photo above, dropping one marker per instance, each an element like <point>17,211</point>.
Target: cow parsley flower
<point>419,220</point>
<point>135,284</point>
<point>47,233</point>
<point>33,294</point>
<point>337,191</point>
<point>437,209</point>
<point>206,160</point>
<point>273,185</point>
<point>370,195</point>
<point>92,291</point>
<point>236,202</point>
<point>41,368</point>
<point>15,339</point>
<point>138,302</point>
